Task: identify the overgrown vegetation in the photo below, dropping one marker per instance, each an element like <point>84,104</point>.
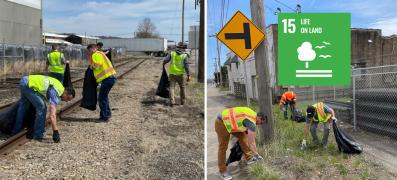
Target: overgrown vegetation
<point>285,160</point>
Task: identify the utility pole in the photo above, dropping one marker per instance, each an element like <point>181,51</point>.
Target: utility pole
<point>183,20</point>
<point>201,60</point>
<point>219,62</point>
<point>262,70</point>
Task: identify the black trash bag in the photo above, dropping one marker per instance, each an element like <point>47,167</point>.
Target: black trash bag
<point>163,90</point>
<point>67,80</point>
<point>89,99</point>
<point>235,154</point>
<point>299,117</point>
<point>346,144</point>
<point>9,115</point>
<point>109,55</point>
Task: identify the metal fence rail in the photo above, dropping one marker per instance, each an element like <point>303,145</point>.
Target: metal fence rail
<point>13,53</point>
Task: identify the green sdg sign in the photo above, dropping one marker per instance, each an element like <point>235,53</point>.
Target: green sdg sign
<point>314,49</point>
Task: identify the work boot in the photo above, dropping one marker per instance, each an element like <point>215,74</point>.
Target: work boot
<point>225,176</point>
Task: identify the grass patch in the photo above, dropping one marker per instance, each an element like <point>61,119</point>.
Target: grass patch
<point>284,155</point>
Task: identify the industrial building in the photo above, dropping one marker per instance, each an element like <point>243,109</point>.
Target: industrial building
<point>21,22</point>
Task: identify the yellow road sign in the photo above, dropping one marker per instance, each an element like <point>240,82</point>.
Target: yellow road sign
<point>241,35</point>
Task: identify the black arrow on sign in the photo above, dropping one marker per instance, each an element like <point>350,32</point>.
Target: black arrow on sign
<point>246,35</point>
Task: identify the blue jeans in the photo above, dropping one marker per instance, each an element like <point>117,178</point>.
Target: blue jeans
<point>103,98</point>
<point>31,97</point>
<point>58,76</point>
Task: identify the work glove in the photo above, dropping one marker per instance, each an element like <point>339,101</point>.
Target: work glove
<point>303,145</point>
<point>56,137</point>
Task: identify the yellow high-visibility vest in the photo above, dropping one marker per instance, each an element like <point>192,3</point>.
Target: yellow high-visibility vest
<point>40,84</point>
<point>55,62</point>
<point>321,114</point>
<point>233,118</point>
<point>103,68</point>
<point>177,67</point>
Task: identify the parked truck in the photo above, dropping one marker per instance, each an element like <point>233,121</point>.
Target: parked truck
<point>151,46</point>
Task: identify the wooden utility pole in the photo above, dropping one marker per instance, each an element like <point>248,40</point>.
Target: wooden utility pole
<point>183,20</point>
<point>201,59</point>
<point>262,70</point>
<point>219,62</point>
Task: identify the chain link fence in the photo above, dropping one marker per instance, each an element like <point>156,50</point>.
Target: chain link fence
<point>375,99</point>
<point>22,59</point>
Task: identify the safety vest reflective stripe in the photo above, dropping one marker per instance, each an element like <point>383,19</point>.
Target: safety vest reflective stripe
<point>45,86</point>
<point>103,73</point>
<point>320,107</point>
<point>110,69</point>
<point>234,123</point>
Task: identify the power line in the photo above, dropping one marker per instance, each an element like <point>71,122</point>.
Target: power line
<point>284,5</point>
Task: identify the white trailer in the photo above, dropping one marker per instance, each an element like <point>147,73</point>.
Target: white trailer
<point>158,46</point>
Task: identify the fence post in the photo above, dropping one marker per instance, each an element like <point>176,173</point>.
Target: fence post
<point>354,100</point>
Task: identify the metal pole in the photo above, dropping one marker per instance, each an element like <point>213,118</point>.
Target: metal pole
<point>354,101</point>
<point>183,19</point>
<point>313,97</point>
<point>246,84</point>
<point>334,93</point>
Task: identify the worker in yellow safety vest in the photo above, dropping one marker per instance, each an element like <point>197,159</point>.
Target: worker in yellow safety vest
<point>35,90</point>
<point>315,114</point>
<point>105,75</point>
<point>178,67</point>
<point>56,63</point>
<point>239,122</point>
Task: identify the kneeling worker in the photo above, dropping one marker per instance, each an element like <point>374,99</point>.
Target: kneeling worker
<point>35,90</point>
<point>317,113</point>
<point>239,122</point>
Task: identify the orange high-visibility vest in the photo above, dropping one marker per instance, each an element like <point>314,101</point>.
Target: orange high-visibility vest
<point>287,96</point>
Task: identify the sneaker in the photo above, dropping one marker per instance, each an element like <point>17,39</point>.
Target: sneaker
<point>258,157</point>
<point>252,160</point>
<point>225,176</point>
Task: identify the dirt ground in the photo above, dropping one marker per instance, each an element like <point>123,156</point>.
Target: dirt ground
<point>145,138</point>
<point>216,102</point>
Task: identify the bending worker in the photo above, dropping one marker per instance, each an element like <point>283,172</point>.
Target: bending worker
<point>288,99</point>
<point>178,67</point>
<point>105,75</point>
<point>239,122</point>
<point>35,90</point>
<point>55,63</point>
<point>317,113</point>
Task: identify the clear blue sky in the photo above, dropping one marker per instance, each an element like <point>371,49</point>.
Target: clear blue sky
<point>365,14</point>
<point>117,17</point>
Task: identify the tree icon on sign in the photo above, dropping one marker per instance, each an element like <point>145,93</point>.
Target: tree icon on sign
<point>306,53</point>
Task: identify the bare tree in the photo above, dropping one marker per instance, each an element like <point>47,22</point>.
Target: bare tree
<point>146,29</point>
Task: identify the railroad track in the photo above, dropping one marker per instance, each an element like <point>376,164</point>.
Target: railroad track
<point>20,139</point>
<point>73,81</point>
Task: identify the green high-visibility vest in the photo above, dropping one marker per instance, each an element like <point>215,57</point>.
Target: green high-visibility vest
<point>40,84</point>
<point>176,67</point>
<point>55,62</point>
<point>233,118</point>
